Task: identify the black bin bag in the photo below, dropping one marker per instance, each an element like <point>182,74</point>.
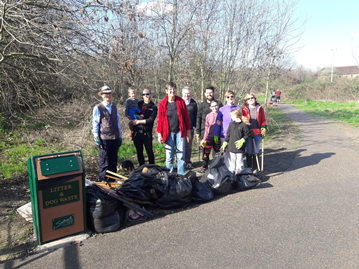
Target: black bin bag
<point>104,213</point>
<point>178,193</point>
<point>218,176</point>
<point>244,182</point>
<point>98,204</point>
<point>201,191</point>
<point>110,223</point>
<point>140,185</point>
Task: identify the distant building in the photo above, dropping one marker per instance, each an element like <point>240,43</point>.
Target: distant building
<point>349,72</point>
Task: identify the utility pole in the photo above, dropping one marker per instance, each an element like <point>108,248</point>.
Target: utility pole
<point>331,77</point>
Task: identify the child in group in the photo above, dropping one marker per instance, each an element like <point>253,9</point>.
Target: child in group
<point>237,134</point>
<point>132,112</point>
<point>208,138</point>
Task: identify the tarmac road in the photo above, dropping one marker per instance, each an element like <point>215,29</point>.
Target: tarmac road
<point>304,218</point>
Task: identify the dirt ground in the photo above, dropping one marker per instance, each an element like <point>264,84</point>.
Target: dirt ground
<point>16,235</point>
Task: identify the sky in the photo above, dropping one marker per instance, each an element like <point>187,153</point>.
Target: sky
<point>332,25</point>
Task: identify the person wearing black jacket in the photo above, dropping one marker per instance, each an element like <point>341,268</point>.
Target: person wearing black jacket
<point>142,131</point>
<point>237,134</point>
<point>203,111</point>
<point>192,112</point>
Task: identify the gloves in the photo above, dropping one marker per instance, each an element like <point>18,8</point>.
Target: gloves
<point>251,133</point>
<point>264,130</point>
<point>99,145</point>
<point>239,143</point>
<point>120,139</point>
<point>224,146</point>
<point>197,138</point>
<point>203,143</point>
<point>216,139</point>
<point>98,142</point>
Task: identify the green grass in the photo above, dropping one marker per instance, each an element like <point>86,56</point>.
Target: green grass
<point>343,111</point>
<point>14,157</point>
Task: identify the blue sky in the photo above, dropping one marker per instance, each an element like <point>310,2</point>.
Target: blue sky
<point>331,25</point>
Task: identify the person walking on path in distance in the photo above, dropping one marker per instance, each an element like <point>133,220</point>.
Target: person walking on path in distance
<point>254,113</point>
<point>208,138</point>
<point>278,93</point>
<point>223,120</point>
<point>107,132</point>
<point>236,137</point>
<point>142,129</point>
<point>173,127</point>
<point>192,112</point>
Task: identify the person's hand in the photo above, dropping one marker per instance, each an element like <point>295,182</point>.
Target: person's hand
<point>99,145</point>
<point>219,123</point>
<point>98,142</point>
<point>239,143</point>
<point>134,122</point>
<point>216,139</point>
<point>189,136</point>
<point>251,133</point>
<point>120,139</point>
<point>224,145</point>
<point>203,143</point>
<point>264,130</point>
<point>159,137</point>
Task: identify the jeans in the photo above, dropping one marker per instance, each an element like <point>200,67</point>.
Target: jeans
<point>250,146</point>
<point>173,140</point>
<point>189,148</point>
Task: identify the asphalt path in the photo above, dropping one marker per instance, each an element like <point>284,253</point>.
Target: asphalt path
<point>306,217</point>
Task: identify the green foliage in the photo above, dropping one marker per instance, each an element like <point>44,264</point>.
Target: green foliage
<point>343,111</point>
<point>14,157</point>
<point>339,90</point>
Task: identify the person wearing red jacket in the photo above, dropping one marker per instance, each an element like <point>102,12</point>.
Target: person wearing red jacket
<point>254,113</point>
<point>173,127</point>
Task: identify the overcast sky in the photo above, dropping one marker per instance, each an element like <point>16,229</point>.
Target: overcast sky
<point>331,25</point>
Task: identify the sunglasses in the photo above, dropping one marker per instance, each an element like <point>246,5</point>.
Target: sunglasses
<point>249,98</point>
<point>230,96</point>
<point>146,94</point>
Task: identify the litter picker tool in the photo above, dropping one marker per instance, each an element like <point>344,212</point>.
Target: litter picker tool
<point>115,174</point>
<point>255,150</point>
<point>262,155</point>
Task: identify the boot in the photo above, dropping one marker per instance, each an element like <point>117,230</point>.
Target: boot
<point>249,160</point>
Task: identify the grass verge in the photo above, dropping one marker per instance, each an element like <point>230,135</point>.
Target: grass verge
<point>343,111</point>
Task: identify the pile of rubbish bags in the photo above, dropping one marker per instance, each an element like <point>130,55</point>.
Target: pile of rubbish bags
<point>154,184</point>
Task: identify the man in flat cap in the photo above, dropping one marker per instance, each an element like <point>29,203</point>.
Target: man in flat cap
<point>107,132</point>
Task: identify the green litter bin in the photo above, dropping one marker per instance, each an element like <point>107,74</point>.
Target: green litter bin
<point>57,187</point>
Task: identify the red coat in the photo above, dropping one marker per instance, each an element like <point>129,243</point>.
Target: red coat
<point>260,117</point>
<point>183,118</point>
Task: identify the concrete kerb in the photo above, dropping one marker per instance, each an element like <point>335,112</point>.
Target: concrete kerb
<point>60,243</point>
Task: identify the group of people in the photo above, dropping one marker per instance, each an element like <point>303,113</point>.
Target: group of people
<point>235,130</point>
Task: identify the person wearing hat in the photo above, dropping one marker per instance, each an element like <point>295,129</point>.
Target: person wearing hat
<point>107,132</point>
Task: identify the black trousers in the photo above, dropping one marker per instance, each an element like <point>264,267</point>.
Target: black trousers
<point>108,157</point>
<point>140,140</point>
